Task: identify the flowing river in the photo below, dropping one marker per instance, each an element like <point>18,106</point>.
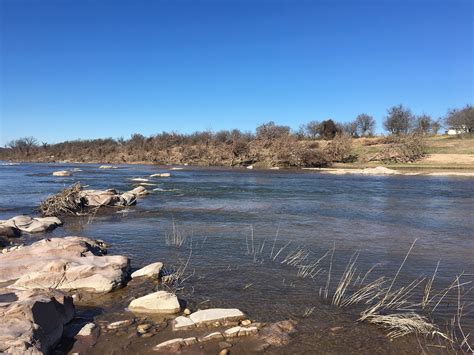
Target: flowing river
<point>240,230</point>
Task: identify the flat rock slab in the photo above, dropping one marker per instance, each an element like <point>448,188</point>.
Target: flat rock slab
<point>172,345</point>
<point>152,270</point>
<point>62,173</point>
<point>70,263</point>
<point>158,302</point>
<point>212,315</point>
<point>31,225</point>
<point>32,321</point>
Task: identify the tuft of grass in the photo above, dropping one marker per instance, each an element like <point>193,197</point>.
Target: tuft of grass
<point>175,238</point>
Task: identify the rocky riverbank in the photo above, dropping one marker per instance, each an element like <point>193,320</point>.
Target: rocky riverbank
<point>42,285</point>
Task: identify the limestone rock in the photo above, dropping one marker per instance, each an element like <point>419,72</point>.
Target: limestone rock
<point>143,328</point>
<point>211,336</point>
<point>31,225</point>
<point>182,323</point>
<point>70,263</point>
<point>232,332</point>
<point>161,175</point>
<point>62,173</point>
<point>172,345</point>
<point>190,341</point>
<point>158,302</point>
<point>87,330</point>
<point>32,321</point>
<point>111,197</point>
<point>120,324</point>
<point>212,315</point>
<point>152,270</point>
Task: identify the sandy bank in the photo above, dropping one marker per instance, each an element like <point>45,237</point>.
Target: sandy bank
<point>380,171</point>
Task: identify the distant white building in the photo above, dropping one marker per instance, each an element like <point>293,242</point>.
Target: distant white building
<point>453,131</point>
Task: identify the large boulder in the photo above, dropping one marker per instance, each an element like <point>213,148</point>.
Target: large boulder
<point>32,322</point>
<point>31,225</point>
<point>158,302</point>
<point>70,263</point>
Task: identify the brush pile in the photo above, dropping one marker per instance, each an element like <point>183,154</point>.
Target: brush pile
<point>76,201</point>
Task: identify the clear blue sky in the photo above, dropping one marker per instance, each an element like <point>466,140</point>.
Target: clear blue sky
<point>99,68</point>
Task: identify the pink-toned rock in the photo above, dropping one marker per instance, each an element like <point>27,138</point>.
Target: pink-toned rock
<point>111,197</point>
<point>70,263</point>
<point>31,225</point>
<point>32,321</point>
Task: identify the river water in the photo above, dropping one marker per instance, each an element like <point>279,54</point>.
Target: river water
<point>234,222</point>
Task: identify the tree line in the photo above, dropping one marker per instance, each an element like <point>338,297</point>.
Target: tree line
<point>270,143</point>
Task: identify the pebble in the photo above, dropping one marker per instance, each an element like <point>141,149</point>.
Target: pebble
<point>246,322</point>
<point>120,324</point>
<point>224,352</point>
<point>187,311</point>
<point>143,328</point>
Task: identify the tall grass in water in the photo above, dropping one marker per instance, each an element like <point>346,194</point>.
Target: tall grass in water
<point>175,238</point>
<point>398,309</point>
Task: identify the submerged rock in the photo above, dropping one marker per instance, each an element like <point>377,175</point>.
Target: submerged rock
<point>278,334</point>
<point>158,302</point>
<point>32,321</point>
<point>152,270</point>
<point>70,263</point>
<point>29,224</point>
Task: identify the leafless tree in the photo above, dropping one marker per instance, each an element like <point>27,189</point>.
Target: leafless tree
<point>365,125</point>
<point>462,119</point>
<point>399,120</point>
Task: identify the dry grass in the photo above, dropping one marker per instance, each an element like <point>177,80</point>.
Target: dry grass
<point>175,238</point>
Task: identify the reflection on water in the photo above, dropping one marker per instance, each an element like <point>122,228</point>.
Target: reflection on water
<point>219,210</point>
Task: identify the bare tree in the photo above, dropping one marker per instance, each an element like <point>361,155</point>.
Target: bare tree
<point>365,125</point>
<point>436,126</point>
<point>423,124</point>
<point>462,119</point>
<point>349,128</point>
<point>270,130</point>
<point>399,120</point>
<point>313,129</point>
<point>23,145</point>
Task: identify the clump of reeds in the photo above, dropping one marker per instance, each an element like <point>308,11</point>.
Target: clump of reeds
<point>175,238</point>
<point>174,277</point>
<point>66,202</point>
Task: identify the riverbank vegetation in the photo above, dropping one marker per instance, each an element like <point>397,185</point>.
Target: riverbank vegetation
<point>315,144</point>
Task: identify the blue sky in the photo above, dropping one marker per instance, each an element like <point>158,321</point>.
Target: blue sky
<point>100,68</point>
